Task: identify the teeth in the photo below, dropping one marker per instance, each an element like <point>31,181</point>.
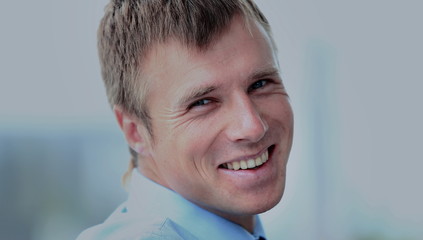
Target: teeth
<point>243,164</point>
<point>251,163</point>
<point>247,164</point>
<point>259,161</point>
<point>235,165</point>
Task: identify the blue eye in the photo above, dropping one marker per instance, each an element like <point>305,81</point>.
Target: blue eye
<point>257,85</point>
<point>199,103</point>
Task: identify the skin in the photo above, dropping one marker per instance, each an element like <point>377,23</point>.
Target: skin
<point>212,107</point>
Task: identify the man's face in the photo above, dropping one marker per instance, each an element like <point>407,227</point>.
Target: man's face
<point>216,110</point>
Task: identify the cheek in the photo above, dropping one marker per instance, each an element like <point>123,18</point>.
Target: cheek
<point>200,134</point>
<point>191,169</point>
<point>287,115</point>
<point>277,108</point>
<point>191,145</point>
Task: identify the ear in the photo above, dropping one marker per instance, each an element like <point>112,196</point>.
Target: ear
<point>134,130</point>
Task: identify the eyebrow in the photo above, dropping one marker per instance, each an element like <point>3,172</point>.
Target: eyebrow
<point>195,93</point>
<point>264,73</point>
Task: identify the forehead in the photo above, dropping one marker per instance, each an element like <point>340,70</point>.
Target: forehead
<point>238,52</point>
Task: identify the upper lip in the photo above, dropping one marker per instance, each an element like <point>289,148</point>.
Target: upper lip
<point>246,157</point>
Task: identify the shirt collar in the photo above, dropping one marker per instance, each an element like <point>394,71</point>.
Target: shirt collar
<point>149,200</point>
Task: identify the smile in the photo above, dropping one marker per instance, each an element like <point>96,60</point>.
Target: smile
<point>247,163</point>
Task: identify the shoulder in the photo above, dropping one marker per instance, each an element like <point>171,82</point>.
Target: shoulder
<point>158,229</point>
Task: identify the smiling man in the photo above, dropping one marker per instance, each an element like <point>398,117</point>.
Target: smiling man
<point>196,90</point>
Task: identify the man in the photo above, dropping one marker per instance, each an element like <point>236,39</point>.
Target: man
<point>196,90</point>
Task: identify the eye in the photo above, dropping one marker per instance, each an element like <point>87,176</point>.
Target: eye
<point>199,103</point>
<point>258,84</point>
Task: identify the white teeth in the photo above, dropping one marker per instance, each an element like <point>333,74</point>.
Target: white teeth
<point>243,164</point>
<point>258,161</point>
<point>263,158</point>
<point>249,163</point>
<point>235,165</point>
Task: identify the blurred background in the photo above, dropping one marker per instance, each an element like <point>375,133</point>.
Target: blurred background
<point>354,73</point>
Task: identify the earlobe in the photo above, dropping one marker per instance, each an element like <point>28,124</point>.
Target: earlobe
<point>139,148</point>
<point>131,127</point>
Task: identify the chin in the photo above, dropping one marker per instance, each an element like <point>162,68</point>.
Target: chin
<point>266,205</point>
<point>260,204</point>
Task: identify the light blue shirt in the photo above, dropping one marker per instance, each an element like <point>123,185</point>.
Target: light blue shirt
<point>155,212</point>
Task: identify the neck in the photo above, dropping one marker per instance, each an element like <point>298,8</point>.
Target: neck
<point>247,222</point>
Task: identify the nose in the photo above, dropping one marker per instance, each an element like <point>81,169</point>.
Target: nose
<point>246,123</point>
